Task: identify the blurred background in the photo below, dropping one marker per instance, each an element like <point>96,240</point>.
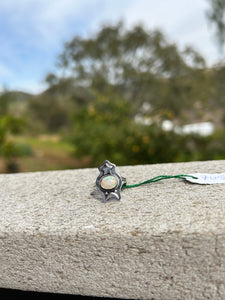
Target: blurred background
<point>133,81</point>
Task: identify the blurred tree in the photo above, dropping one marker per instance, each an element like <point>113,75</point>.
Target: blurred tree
<point>51,79</point>
<point>216,15</point>
<point>11,125</point>
<point>52,110</point>
<point>141,65</point>
<point>104,129</point>
<point>130,72</point>
<point>4,103</point>
<point>10,150</point>
<point>49,113</point>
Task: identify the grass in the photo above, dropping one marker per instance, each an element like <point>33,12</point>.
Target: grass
<point>48,152</point>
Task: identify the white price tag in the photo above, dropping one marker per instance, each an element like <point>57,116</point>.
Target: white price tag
<point>204,178</point>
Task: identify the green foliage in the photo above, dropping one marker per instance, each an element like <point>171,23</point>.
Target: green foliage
<point>141,65</point>
<point>48,112</point>
<point>216,15</point>
<point>4,103</point>
<point>9,150</point>
<point>123,70</point>
<point>9,125</point>
<point>100,134</point>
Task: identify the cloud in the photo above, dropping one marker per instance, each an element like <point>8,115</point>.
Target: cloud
<point>47,22</point>
<point>182,23</point>
<point>33,34</point>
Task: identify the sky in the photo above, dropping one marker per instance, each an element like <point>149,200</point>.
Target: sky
<point>33,32</point>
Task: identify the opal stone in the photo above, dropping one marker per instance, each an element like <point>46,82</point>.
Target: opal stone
<point>109,182</point>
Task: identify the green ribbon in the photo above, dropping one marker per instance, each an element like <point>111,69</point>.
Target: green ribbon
<point>155,179</point>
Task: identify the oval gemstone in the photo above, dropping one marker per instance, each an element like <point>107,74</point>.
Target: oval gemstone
<point>109,182</point>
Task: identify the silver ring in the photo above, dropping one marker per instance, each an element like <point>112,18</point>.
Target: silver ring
<point>109,182</point>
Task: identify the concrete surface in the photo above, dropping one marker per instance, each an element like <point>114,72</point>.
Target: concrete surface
<point>164,240</point>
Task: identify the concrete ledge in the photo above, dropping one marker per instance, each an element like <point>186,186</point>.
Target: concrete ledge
<point>164,240</point>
